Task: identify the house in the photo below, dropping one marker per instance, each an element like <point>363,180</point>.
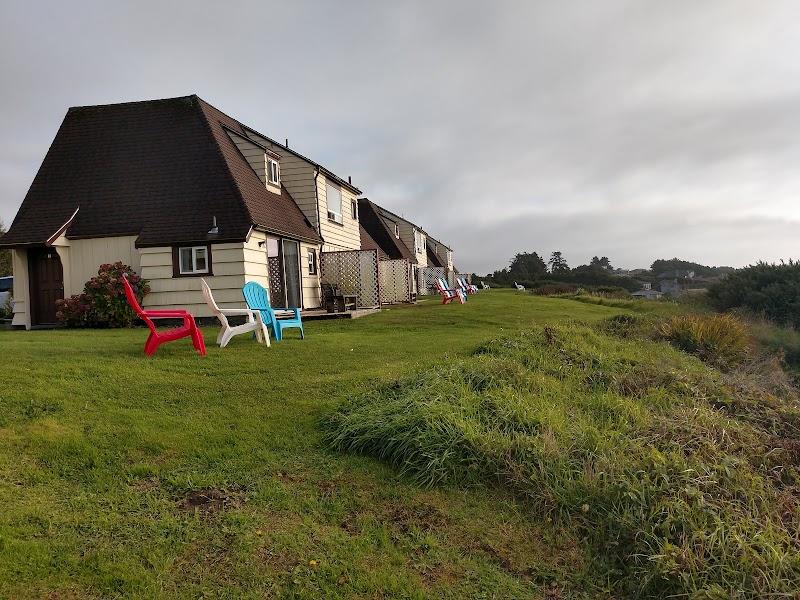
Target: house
<point>438,254</point>
<point>178,190</point>
<point>379,234</point>
<point>647,292</point>
<point>328,201</point>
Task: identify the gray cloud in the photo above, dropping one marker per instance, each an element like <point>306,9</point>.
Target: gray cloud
<point>632,129</point>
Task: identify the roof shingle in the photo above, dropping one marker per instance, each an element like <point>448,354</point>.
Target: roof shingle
<point>158,169</point>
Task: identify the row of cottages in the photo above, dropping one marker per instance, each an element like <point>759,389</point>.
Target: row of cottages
<point>178,190</point>
<point>398,237</point>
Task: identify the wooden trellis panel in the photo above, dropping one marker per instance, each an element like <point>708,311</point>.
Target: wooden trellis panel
<point>428,277</point>
<point>354,272</point>
<point>395,283</point>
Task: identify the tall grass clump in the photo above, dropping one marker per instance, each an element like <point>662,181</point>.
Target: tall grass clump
<point>638,446</point>
<point>721,339</point>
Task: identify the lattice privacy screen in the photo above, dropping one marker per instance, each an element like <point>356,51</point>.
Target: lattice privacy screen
<point>276,296</point>
<point>451,279</point>
<point>395,281</point>
<point>354,272</point>
<point>428,277</point>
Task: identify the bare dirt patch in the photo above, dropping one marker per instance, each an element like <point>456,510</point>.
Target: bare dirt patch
<point>209,501</point>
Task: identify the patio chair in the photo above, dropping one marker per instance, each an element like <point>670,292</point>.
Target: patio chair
<point>188,329</point>
<point>520,288</point>
<point>257,298</point>
<point>485,285</point>
<point>448,295</point>
<point>334,300</point>
<point>227,331</point>
<point>467,287</point>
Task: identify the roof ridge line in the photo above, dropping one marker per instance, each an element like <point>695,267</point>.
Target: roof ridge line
<point>129,102</point>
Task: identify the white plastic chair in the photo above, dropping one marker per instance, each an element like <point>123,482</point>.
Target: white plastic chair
<point>226,332</point>
<point>520,288</point>
<point>485,285</point>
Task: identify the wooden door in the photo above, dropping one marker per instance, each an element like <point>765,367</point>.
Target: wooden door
<point>46,284</point>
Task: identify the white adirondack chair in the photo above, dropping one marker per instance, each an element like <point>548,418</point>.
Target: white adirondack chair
<point>226,332</point>
<point>520,288</point>
<point>485,285</point>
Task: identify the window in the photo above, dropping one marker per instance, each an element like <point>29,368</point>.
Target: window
<point>312,261</point>
<point>193,260</point>
<point>397,231</point>
<point>419,241</point>
<point>334,196</point>
<point>354,209</point>
<point>273,171</point>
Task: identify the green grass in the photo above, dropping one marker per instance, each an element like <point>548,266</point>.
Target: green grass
<point>105,457</point>
<point>682,481</point>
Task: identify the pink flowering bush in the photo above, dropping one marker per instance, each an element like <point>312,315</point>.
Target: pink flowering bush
<point>102,302</point>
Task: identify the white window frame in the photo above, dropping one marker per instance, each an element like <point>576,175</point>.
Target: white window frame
<point>397,231</point>
<point>418,241</point>
<point>354,209</point>
<point>312,262</point>
<point>333,215</point>
<point>194,249</point>
<point>273,171</point>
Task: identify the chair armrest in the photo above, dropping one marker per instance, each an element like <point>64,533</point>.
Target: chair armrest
<point>166,314</point>
<point>152,313</point>
<point>234,312</point>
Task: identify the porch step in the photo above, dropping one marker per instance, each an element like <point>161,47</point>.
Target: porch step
<point>320,315</point>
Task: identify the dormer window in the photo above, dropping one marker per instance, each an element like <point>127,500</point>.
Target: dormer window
<point>273,172</point>
<point>397,231</point>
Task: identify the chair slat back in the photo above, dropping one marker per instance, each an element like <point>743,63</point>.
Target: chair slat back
<point>212,304</point>
<point>134,303</point>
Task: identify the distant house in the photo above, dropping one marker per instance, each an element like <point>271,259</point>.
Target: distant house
<point>647,293</point>
<point>377,233</point>
<point>400,238</point>
<point>176,189</point>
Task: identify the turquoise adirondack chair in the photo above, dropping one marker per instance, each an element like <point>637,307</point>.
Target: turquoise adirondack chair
<point>257,298</point>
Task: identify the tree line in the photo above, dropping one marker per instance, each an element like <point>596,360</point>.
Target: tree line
<point>531,270</point>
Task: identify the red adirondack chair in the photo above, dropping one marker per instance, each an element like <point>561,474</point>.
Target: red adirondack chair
<point>188,329</point>
<point>449,295</point>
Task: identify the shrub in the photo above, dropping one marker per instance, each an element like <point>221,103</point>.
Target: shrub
<point>769,290</point>
<point>553,289</point>
<point>7,309</point>
<point>102,302</point>
<point>722,340</point>
<point>675,484</point>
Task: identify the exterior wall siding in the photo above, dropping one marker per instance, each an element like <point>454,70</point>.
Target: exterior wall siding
<point>86,256</point>
<point>311,289</point>
<point>344,236</point>
<point>19,268</point>
<point>257,160</point>
<point>166,291</point>
<point>407,236</point>
<point>297,176</point>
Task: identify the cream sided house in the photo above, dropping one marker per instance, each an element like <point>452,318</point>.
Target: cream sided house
<point>178,190</point>
<point>398,237</point>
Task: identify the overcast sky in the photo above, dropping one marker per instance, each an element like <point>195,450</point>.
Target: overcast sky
<point>636,130</point>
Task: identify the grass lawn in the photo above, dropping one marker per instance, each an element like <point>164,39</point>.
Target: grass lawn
<point>182,477</point>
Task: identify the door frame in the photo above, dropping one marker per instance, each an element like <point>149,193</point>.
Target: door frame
<point>33,256</point>
<point>299,271</point>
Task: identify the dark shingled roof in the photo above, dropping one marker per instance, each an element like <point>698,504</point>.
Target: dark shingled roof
<point>380,234</point>
<point>433,258</point>
<point>160,170</point>
<point>368,243</point>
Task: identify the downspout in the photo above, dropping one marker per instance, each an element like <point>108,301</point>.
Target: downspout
<point>319,231</point>
<point>316,198</point>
